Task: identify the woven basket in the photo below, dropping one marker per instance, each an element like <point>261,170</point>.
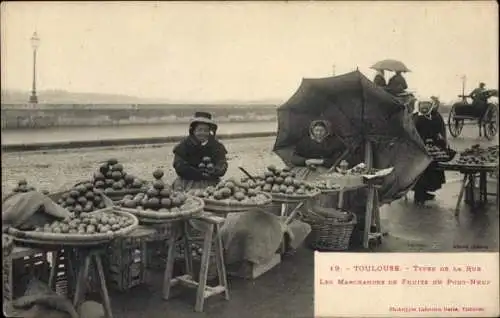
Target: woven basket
<point>330,230</point>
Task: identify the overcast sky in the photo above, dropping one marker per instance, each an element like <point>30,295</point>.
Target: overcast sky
<point>246,51</point>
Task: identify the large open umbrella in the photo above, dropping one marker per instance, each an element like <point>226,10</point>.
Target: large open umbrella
<point>359,112</point>
<point>390,65</point>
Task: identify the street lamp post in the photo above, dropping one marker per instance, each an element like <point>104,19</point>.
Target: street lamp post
<point>35,43</point>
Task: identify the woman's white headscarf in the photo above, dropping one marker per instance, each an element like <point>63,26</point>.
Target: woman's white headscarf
<point>426,100</point>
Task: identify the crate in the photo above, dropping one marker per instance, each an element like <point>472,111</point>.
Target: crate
<point>19,266</point>
<point>126,262</point>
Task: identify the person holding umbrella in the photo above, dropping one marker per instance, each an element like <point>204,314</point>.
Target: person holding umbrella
<point>200,159</point>
<point>379,79</point>
<point>431,127</point>
<point>317,152</point>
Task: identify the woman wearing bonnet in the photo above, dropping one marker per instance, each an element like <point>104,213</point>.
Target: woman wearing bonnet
<point>317,152</point>
<point>431,128</point>
<point>200,159</point>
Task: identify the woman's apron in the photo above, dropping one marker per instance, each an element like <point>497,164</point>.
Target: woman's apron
<point>183,185</point>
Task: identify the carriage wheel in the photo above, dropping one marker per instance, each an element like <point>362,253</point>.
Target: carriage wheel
<point>455,125</point>
<point>490,122</point>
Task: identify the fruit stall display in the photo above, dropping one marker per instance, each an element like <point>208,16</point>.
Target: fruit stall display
<point>159,203</point>
<point>231,196</point>
<point>437,153</point>
<point>478,156</point>
<point>116,182</point>
<point>282,185</point>
<point>81,229</point>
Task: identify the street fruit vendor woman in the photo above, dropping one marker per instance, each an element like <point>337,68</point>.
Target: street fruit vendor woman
<point>199,159</point>
<point>317,152</point>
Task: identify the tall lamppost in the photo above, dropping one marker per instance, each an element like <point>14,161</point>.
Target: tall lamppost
<point>35,43</point>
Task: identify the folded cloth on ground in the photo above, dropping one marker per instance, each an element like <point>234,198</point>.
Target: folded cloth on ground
<point>29,210</point>
<point>255,236</point>
<point>39,301</point>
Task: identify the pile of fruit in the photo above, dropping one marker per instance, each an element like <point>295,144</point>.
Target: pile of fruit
<point>476,155</point>
<point>112,178</point>
<point>436,152</point>
<point>22,186</point>
<point>325,185</point>
<point>157,197</point>
<point>232,191</point>
<point>86,223</point>
<point>82,198</point>
<point>281,181</point>
<point>206,165</point>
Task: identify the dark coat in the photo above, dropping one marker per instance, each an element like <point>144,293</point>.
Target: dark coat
<point>188,154</point>
<point>397,84</point>
<point>329,150</point>
<point>431,179</point>
<point>379,80</point>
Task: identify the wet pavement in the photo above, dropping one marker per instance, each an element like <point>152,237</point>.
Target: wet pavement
<point>287,290</point>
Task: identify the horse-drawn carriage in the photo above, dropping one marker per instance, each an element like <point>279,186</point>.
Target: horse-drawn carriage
<point>485,115</point>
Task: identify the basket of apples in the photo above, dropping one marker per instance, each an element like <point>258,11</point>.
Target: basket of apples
<point>160,204</point>
<point>231,196</point>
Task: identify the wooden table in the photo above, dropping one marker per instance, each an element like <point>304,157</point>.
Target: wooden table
<point>469,182</point>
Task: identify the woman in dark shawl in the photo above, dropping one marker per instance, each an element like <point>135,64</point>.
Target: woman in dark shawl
<point>199,159</point>
<point>397,84</point>
<point>431,127</point>
<point>317,152</point>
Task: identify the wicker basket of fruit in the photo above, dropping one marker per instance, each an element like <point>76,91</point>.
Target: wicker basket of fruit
<point>439,154</point>
<point>160,204</point>
<point>330,229</point>
<point>477,157</point>
<point>282,185</point>
<point>85,229</point>
<point>231,196</point>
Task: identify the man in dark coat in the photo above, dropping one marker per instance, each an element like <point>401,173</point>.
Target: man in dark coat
<point>479,99</point>
<point>397,84</point>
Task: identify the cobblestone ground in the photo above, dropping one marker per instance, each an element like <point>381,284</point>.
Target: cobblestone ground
<point>57,170</point>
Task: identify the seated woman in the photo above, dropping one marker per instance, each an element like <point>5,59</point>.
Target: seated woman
<point>199,159</point>
<point>431,127</point>
<point>317,152</point>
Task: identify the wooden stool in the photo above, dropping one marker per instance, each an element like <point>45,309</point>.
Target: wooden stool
<point>203,291</point>
<point>89,255</point>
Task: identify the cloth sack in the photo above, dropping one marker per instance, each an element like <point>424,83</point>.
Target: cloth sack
<point>29,210</point>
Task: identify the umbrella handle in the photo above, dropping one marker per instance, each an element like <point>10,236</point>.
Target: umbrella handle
<point>247,174</point>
